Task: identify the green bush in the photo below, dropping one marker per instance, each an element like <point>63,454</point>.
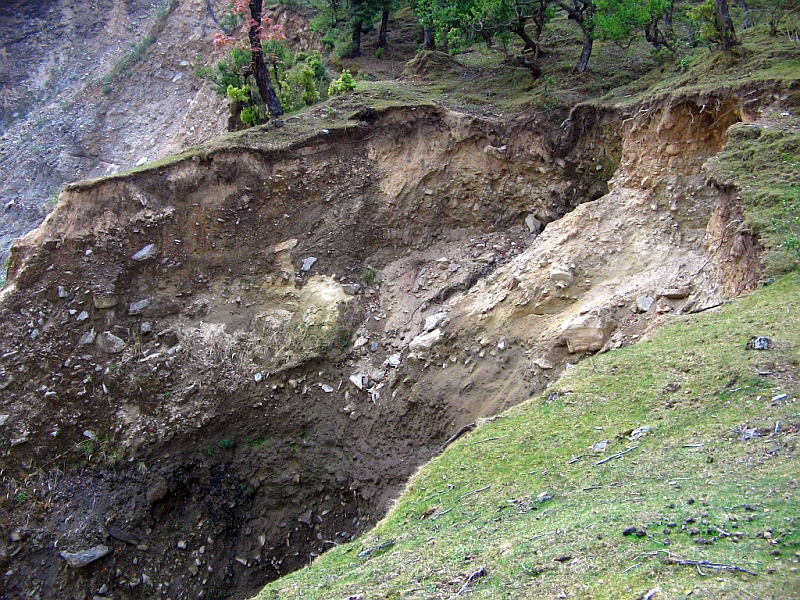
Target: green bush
<point>308,83</point>
<point>345,83</point>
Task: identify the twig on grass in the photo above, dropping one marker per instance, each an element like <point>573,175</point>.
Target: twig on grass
<point>575,459</point>
<point>649,595</point>
<point>487,440</point>
<point>437,515</point>
<point>617,455</point>
<point>632,567</point>
<point>674,559</point>
<point>479,573</point>
<point>374,549</point>
<point>483,489</point>
<point>600,487</point>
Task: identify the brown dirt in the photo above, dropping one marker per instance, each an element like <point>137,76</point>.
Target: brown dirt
<point>223,443</point>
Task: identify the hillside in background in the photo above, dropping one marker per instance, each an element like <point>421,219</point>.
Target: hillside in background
<point>472,327</point>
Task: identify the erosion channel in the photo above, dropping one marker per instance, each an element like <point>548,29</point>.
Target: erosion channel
<point>223,365</point>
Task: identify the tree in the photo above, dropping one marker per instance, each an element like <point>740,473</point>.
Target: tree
<point>715,23</point>
<point>622,20</point>
<point>724,25</point>
<point>256,34</point>
<point>582,12</point>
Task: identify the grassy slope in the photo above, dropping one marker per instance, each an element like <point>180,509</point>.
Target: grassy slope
<point>692,487</point>
<point>695,488</point>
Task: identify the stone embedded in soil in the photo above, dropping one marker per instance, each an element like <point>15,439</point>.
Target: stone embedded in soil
<point>425,341</point>
<point>677,293</point>
<point>157,490</point>
<point>110,343</point>
<point>360,380</point>
<point>82,316</point>
<point>432,322</point>
<point>137,308</point>
<point>533,224</point>
<point>85,557</point>
<point>351,289</point>
<point>104,301</point>
<point>644,303</point>
<point>562,276</point>
<point>586,333</point>
<point>394,360</point>
<point>146,253</point>
<point>308,263</point>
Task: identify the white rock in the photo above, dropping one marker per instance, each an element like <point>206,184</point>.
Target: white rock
<point>562,275</point>
<point>361,380</point>
<point>586,333</point>
<point>326,388</point>
<point>146,253</point>
<point>643,303</point>
<point>432,322</point>
<point>425,341</point>
<point>87,338</point>
<point>394,360</point>
<point>533,224</point>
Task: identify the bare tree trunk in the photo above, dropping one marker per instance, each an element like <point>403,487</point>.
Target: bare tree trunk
<point>586,51</point>
<point>724,25</point>
<point>429,39</point>
<point>357,30</point>
<point>748,22</point>
<point>384,28</point>
<point>582,12</point>
<point>259,66</point>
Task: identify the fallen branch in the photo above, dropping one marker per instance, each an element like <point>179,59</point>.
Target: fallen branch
<point>465,429</point>
<point>483,489</point>
<point>437,515</point>
<point>600,487</point>
<point>649,595</point>
<point>479,573</point>
<point>632,567</point>
<point>377,548</point>
<point>487,440</point>
<point>575,459</point>
<point>617,455</point>
<point>541,535</point>
<point>672,558</point>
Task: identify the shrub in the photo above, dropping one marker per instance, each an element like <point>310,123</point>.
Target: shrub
<point>345,83</point>
<point>308,83</point>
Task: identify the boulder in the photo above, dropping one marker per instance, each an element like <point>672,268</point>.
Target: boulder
<point>110,343</point>
<point>587,333</point>
<point>425,341</point>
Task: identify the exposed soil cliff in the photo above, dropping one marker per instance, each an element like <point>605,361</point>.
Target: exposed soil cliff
<point>219,367</point>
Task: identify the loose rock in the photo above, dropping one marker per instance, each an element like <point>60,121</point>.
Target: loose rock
<point>586,333</point>
<point>146,253</point>
<point>759,342</point>
<point>110,343</point>
<point>85,557</point>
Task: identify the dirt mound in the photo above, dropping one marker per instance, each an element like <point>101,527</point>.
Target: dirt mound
<point>430,64</point>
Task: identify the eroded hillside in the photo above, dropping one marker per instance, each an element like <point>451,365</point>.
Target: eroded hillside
<point>217,368</point>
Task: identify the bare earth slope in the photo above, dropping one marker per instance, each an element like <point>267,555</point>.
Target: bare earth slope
<point>217,368</point>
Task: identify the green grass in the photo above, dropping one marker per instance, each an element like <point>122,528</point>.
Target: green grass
<point>763,162</point>
<point>477,505</point>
